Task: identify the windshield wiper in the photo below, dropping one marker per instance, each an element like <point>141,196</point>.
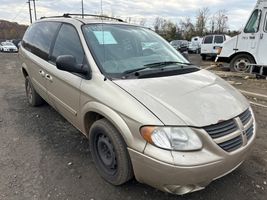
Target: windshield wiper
<point>166,63</point>
<point>155,65</point>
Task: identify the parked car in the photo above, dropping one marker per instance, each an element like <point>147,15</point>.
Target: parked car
<point>247,51</point>
<point>180,45</point>
<point>195,45</point>
<point>211,45</point>
<point>134,97</point>
<point>8,47</point>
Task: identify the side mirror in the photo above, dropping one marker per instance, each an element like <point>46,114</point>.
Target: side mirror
<point>68,63</point>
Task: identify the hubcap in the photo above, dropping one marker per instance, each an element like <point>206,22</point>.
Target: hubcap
<point>242,65</point>
<point>106,154</point>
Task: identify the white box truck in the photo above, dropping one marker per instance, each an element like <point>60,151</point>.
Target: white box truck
<point>247,52</point>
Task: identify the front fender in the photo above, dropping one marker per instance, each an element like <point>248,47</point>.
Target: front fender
<point>130,132</point>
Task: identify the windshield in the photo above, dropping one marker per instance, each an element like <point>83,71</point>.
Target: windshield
<point>123,48</point>
<point>7,44</point>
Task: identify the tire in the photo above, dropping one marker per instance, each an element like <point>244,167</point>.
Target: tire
<point>204,57</point>
<point>109,153</point>
<point>239,63</point>
<point>34,99</point>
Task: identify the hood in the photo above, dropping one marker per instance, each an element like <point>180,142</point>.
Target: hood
<point>196,99</point>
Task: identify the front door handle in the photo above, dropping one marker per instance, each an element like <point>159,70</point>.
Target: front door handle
<point>261,36</point>
<point>48,77</point>
<point>42,73</point>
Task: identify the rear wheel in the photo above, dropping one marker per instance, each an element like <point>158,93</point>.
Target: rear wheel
<point>240,63</point>
<point>33,97</point>
<point>110,153</point>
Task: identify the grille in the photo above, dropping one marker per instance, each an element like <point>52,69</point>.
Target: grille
<point>249,132</point>
<point>221,129</point>
<point>245,117</point>
<point>228,134</point>
<point>232,144</point>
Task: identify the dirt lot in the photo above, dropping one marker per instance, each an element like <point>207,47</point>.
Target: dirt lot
<point>43,157</point>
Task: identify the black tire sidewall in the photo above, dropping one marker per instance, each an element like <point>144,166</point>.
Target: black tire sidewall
<point>36,98</point>
<point>124,167</point>
<point>248,57</point>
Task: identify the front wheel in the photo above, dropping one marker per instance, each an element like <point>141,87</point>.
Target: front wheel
<point>240,63</point>
<point>109,153</point>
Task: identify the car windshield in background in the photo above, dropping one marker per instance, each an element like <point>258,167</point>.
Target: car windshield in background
<point>120,49</point>
<point>7,44</point>
<point>176,42</point>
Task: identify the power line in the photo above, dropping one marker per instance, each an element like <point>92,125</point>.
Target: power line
<point>82,10</point>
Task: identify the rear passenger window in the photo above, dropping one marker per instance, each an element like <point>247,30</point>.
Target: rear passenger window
<point>218,39</point>
<point>68,43</point>
<point>208,40</point>
<point>38,38</point>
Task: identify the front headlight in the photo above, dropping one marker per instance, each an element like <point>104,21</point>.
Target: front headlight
<point>172,138</point>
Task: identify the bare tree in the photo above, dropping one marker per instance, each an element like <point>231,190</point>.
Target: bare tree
<point>158,23</point>
<point>221,21</point>
<point>168,30</point>
<point>187,28</point>
<point>142,22</point>
<point>202,19</point>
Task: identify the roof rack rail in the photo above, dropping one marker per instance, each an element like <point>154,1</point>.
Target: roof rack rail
<point>92,15</point>
<point>55,16</point>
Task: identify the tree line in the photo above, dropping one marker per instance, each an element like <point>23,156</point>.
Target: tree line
<point>205,23</point>
<point>11,30</point>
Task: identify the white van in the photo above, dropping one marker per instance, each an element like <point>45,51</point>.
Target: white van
<point>250,46</point>
<point>195,45</point>
<point>211,44</point>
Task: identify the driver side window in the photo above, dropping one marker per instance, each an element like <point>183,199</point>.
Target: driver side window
<point>68,43</point>
<point>254,22</point>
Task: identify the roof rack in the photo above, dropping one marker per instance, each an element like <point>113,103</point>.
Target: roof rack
<point>92,15</point>
<point>54,16</point>
<point>68,15</point>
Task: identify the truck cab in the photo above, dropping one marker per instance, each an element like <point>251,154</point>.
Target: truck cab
<point>246,52</point>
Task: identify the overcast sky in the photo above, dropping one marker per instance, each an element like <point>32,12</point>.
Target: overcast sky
<point>238,10</point>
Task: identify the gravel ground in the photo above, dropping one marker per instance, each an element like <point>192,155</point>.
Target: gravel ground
<point>43,157</point>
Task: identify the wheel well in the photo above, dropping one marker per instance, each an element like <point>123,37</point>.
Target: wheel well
<point>239,53</point>
<point>25,73</point>
<point>90,118</point>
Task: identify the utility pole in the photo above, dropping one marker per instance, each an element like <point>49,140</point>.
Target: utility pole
<point>35,16</point>
<point>82,10</point>
<point>30,10</point>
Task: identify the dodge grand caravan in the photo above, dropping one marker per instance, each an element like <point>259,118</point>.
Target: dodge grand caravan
<point>147,112</point>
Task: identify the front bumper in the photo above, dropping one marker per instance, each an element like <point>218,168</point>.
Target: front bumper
<point>195,171</point>
<point>10,50</point>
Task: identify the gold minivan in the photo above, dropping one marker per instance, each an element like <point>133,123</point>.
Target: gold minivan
<point>147,111</point>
